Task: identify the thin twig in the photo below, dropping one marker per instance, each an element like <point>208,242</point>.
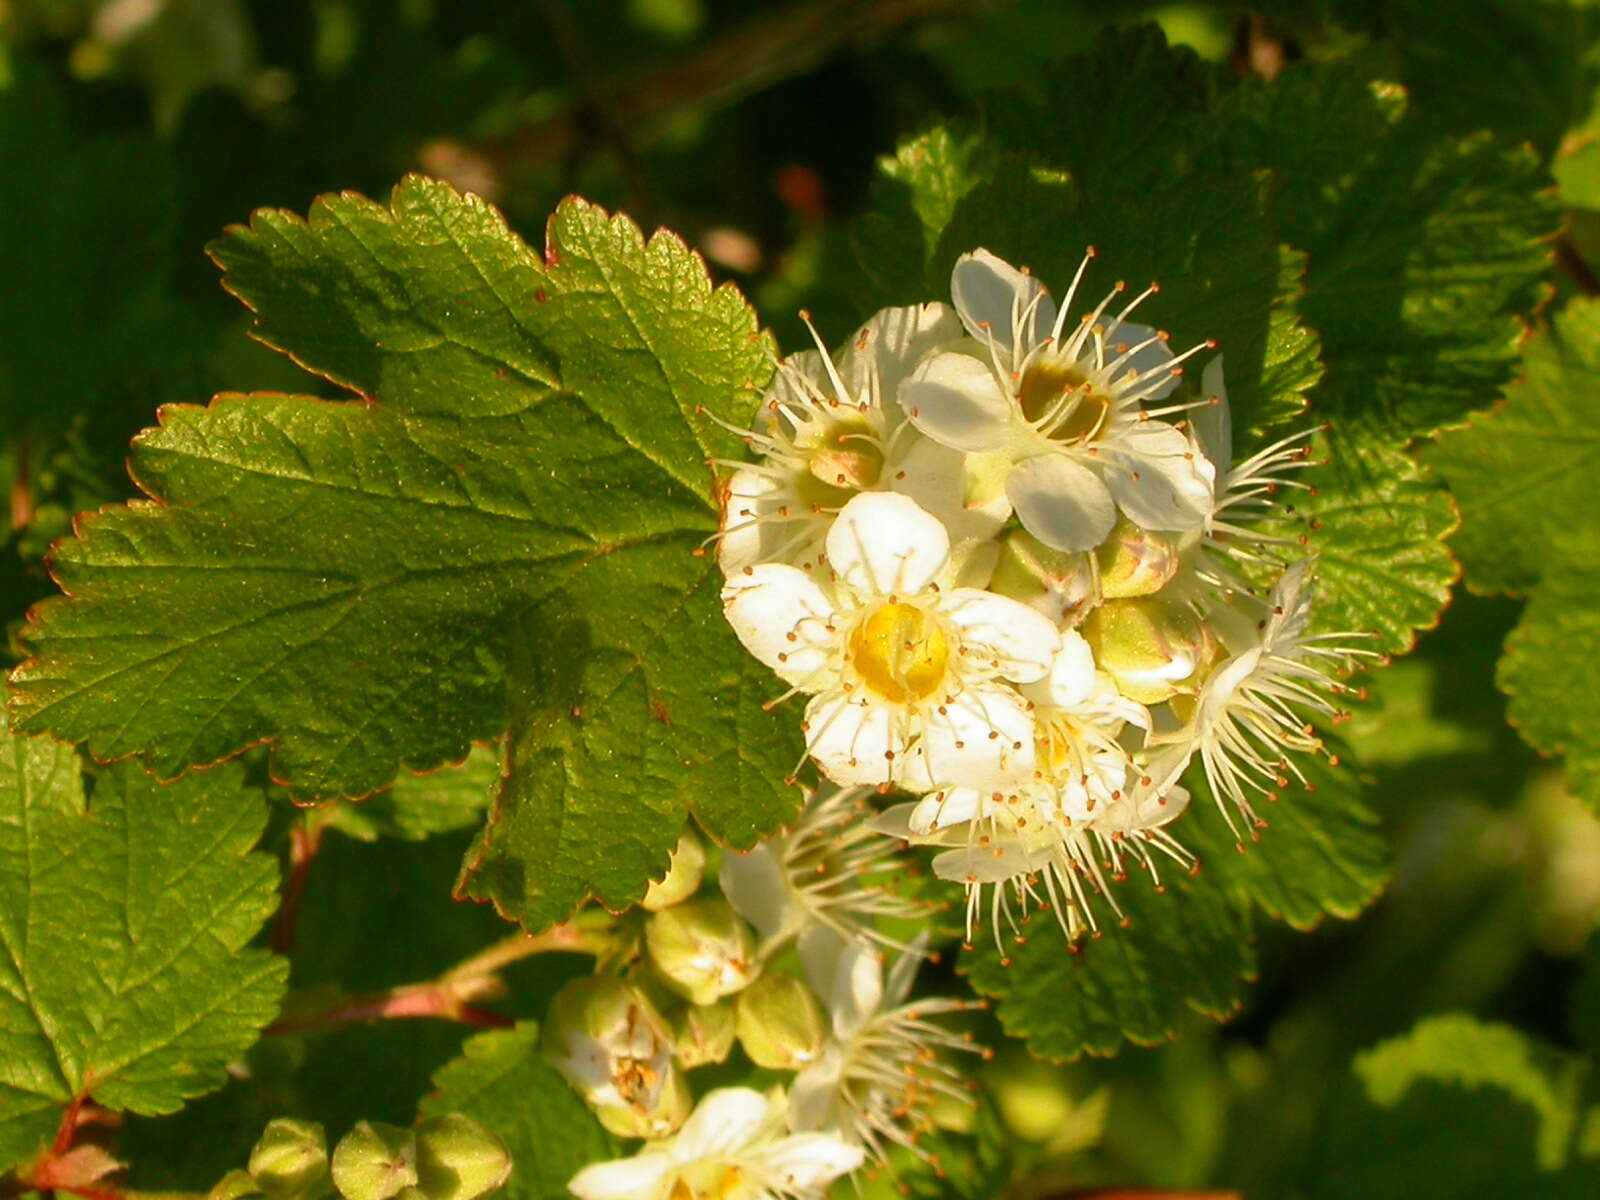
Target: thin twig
<point>21,483</point>
<point>303,845</point>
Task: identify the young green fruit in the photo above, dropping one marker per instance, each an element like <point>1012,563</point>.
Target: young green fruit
<point>702,949</point>
<point>375,1161</point>
<point>458,1159</point>
<point>780,1023</point>
<point>291,1159</point>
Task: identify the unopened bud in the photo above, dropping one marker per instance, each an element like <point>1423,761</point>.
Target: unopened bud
<point>458,1159</point>
<point>683,875</point>
<point>702,1033</point>
<point>1060,584</point>
<point>1135,561</point>
<point>702,949</point>
<point>235,1185</point>
<point>290,1160</point>
<point>616,1050</point>
<point>1153,650</point>
<point>780,1022</point>
<point>375,1161</point>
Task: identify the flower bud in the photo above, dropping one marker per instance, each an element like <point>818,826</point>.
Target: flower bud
<point>290,1160</point>
<point>375,1161</point>
<point>612,1045</point>
<point>702,949</point>
<point>1152,649</point>
<point>702,1033</point>
<point>1135,561</point>
<point>1060,584</point>
<point>458,1159</point>
<point>683,876</point>
<point>780,1023</point>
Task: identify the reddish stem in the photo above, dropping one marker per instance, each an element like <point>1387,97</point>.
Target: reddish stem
<point>21,484</point>
<point>303,845</point>
<point>438,1000</point>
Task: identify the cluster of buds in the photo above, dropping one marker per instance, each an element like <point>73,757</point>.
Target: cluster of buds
<point>1009,558</point>
<point>778,963</point>
<point>443,1158</point>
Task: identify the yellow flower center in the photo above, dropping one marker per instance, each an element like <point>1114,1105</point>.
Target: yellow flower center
<point>900,652</point>
<point>711,1181</point>
<point>1053,387</point>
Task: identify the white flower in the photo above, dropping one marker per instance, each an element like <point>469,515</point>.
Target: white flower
<point>881,1069</point>
<point>1253,707</point>
<point>824,434</point>
<point>814,877</point>
<point>1058,421</point>
<point>911,684</point>
<point>1070,827</point>
<point>730,1148</point>
<point>1244,492</point>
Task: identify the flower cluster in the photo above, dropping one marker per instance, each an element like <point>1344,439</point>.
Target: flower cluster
<point>1007,556</point>
<point>781,955</point>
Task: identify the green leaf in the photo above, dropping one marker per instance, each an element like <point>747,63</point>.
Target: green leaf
<point>1397,1130</point>
<point>1523,472</point>
<point>124,920</point>
<point>344,580</point>
<point>622,722</point>
<point>1423,251</point>
<point>1185,950</point>
<point>502,1082</point>
<point>419,806</point>
<point>1551,671</point>
<point>1377,522</point>
<point>1320,854</point>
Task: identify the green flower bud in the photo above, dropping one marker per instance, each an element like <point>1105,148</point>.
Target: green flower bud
<point>780,1022</point>
<point>612,1045</point>
<point>290,1160</point>
<point>702,1033</point>
<point>1060,584</point>
<point>683,875</point>
<point>1152,649</point>
<point>1135,562</point>
<point>702,949</point>
<point>458,1159</point>
<point>375,1161</point>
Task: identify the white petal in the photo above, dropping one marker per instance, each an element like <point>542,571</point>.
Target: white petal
<point>884,544</point>
<point>1291,607</point>
<point>953,806</point>
<point>895,821</point>
<point>851,741</point>
<point>1156,356</point>
<point>982,739</point>
<point>1017,640</point>
<point>754,884</point>
<point>892,343</point>
<point>724,1122</point>
<point>808,1162</point>
<point>904,972</point>
<point>1061,502</point>
<point>955,400</point>
<point>991,295</point>
<point>993,863</point>
<point>935,476</point>
<point>848,977</point>
<point>1072,674</point>
<point>1157,481</point>
<point>622,1178</point>
<point>781,616</point>
<point>814,1094</point>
